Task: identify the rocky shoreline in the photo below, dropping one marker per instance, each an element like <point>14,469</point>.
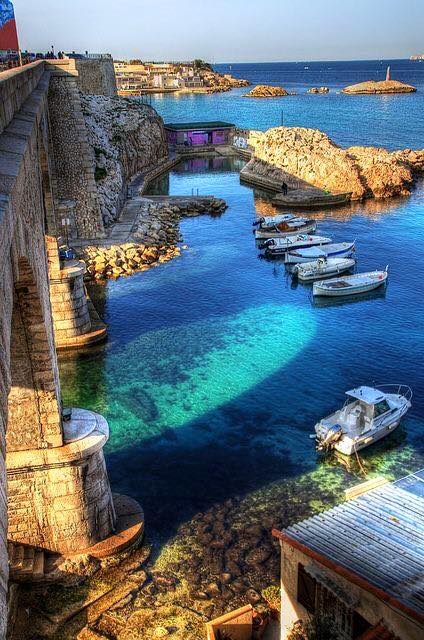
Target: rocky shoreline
<point>153,240</point>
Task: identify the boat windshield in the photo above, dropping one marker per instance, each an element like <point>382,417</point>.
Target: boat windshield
<point>380,408</point>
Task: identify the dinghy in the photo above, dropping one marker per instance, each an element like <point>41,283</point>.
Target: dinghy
<point>336,250</point>
<point>279,246</point>
<point>268,222</point>
<point>286,228</point>
<point>369,414</point>
<point>322,268</point>
<point>351,285</point>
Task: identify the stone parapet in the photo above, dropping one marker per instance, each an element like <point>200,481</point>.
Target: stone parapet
<point>60,498</point>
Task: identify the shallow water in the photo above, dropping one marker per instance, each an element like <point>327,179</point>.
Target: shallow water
<point>218,365</point>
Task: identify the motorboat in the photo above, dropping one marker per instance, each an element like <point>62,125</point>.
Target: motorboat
<point>351,285</point>
<point>322,268</point>
<point>279,246</point>
<point>308,254</point>
<point>269,222</point>
<point>368,415</point>
<point>286,228</point>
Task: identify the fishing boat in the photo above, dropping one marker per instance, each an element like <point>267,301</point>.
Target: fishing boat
<point>368,415</point>
<point>279,246</point>
<point>351,285</point>
<point>322,268</point>
<point>288,228</point>
<point>336,250</point>
<point>268,222</point>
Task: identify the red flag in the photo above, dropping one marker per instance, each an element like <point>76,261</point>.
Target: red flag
<point>8,32</point>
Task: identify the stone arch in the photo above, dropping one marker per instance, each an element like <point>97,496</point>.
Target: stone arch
<point>33,408</point>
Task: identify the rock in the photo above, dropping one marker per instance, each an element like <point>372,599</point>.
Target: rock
<point>199,595</point>
<point>266,91</point>
<point>379,86</point>
<point>307,159</point>
<point>252,596</point>
<point>257,556</point>
<point>213,589</point>
<point>160,632</point>
<point>319,90</point>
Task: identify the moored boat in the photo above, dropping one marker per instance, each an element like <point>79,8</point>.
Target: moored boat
<point>268,222</point>
<point>284,229</point>
<point>279,246</point>
<point>332,250</point>
<point>351,285</point>
<point>322,268</point>
<point>368,415</point>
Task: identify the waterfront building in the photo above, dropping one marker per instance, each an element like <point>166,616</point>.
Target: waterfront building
<point>359,565</point>
<point>199,134</point>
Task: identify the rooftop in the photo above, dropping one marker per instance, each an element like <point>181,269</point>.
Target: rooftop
<point>199,125</point>
<point>375,541</point>
<point>366,394</point>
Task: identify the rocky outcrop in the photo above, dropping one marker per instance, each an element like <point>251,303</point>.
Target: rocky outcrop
<point>311,159</point>
<point>217,82</point>
<point>381,86</point>
<point>266,91</point>
<point>319,90</point>
<point>153,240</point>
<point>126,137</point>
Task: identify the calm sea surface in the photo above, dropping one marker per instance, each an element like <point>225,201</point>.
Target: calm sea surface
<point>218,366</point>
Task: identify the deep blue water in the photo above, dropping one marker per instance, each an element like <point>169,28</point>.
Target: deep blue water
<point>217,366</point>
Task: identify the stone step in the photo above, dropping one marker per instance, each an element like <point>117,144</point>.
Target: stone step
<point>26,563</point>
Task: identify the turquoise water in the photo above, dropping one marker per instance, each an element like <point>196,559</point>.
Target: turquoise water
<point>218,365</point>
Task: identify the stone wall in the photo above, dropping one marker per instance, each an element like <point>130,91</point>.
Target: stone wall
<point>73,157</point>
<point>96,77</point>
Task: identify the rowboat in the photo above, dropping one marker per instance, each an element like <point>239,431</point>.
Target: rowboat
<point>351,285</point>
<point>336,250</point>
<point>268,222</point>
<point>322,268</point>
<point>368,415</point>
<point>279,246</point>
<point>285,229</point>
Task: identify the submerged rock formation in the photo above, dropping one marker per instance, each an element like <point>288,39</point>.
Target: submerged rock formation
<point>307,158</point>
<point>265,91</point>
<point>379,86</point>
<point>127,137</point>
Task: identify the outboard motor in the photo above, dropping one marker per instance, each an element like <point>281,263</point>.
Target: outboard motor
<point>258,222</point>
<point>267,243</point>
<point>327,440</point>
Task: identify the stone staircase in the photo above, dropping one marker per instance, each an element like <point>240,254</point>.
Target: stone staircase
<point>29,564</point>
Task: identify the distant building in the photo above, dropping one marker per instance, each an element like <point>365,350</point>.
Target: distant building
<point>359,565</point>
<point>199,134</point>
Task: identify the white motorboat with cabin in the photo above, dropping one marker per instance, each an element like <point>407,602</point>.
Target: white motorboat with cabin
<point>351,285</point>
<point>308,254</point>
<point>322,268</point>
<point>279,246</point>
<point>286,228</point>
<point>268,222</point>
<point>368,415</point>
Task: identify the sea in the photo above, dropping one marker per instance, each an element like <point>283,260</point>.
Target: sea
<point>219,364</point>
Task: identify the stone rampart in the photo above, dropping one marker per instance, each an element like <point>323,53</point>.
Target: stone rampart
<point>96,77</point>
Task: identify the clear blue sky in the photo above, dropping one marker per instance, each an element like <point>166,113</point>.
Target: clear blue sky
<point>226,30</point>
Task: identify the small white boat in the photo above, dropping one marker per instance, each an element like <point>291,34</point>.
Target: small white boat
<point>351,285</point>
<point>285,229</point>
<point>369,414</point>
<point>322,268</point>
<point>336,250</point>
<point>268,222</point>
<point>279,246</point>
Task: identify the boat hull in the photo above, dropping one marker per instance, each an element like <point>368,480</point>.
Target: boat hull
<point>327,271</point>
<point>273,232</point>
<point>343,253</point>
<point>346,291</point>
<point>348,448</point>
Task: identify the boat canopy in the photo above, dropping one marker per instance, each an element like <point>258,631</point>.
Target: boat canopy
<point>369,395</point>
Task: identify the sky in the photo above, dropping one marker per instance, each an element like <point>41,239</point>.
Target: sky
<point>226,30</point>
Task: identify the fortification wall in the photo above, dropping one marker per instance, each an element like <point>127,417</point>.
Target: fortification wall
<point>96,77</point>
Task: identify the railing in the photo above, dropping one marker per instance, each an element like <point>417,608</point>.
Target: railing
<point>399,389</point>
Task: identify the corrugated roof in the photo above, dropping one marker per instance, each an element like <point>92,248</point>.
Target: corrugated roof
<point>378,537</point>
<point>199,125</point>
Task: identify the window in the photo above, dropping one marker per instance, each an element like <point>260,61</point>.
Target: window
<point>306,589</point>
<point>380,408</point>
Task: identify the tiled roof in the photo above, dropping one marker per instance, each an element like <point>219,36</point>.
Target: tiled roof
<point>376,539</point>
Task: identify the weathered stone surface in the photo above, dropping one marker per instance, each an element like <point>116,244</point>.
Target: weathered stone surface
<point>311,159</point>
<point>381,86</point>
<point>266,91</point>
<point>126,138</point>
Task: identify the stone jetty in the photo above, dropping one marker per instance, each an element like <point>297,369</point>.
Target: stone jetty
<point>153,239</point>
<point>266,91</point>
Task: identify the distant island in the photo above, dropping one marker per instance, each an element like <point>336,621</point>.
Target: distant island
<point>266,91</point>
<point>380,86</point>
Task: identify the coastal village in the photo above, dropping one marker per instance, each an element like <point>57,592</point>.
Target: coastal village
<point>80,153</point>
